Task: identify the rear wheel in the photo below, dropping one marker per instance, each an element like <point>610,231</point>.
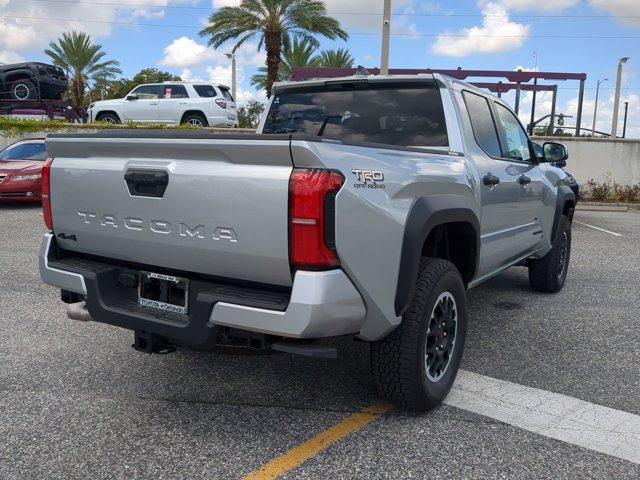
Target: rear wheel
<point>23,90</point>
<point>548,274</point>
<point>415,365</point>
<point>110,118</point>
<point>195,120</point>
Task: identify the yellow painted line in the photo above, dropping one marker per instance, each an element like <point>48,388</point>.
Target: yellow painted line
<point>303,452</point>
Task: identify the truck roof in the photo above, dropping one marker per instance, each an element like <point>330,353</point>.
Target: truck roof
<point>445,80</point>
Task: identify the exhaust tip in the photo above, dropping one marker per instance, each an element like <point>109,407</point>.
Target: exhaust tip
<point>78,311</point>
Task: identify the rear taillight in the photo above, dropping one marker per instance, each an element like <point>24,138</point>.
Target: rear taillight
<point>46,194</point>
<point>221,103</point>
<point>311,217</point>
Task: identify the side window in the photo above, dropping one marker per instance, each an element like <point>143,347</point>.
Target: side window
<point>147,92</point>
<point>206,91</point>
<point>484,129</point>
<point>514,136</point>
<point>174,91</point>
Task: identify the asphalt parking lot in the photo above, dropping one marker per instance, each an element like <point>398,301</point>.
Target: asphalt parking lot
<point>77,402</point>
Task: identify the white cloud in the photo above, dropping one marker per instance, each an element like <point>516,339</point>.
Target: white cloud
<point>538,5</point>
<point>621,8</point>
<point>10,57</point>
<point>20,36</point>
<point>184,52</point>
<point>497,34</point>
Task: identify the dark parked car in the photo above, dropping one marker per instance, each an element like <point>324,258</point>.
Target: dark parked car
<point>573,183</point>
<point>21,170</point>
<point>32,81</point>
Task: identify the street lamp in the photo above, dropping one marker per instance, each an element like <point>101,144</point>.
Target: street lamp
<point>232,56</point>
<point>595,109</point>
<point>616,101</point>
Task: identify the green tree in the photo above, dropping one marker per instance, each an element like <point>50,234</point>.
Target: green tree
<point>249,114</point>
<point>119,88</point>
<point>301,53</point>
<point>339,58</point>
<point>275,23</point>
<point>83,61</point>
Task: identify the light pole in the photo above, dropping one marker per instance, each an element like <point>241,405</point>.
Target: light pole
<point>232,56</point>
<point>624,125</point>
<point>616,100</point>
<point>595,109</point>
<point>386,32</point>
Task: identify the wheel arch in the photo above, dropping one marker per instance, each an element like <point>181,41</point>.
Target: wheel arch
<point>200,113</point>
<point>428,216</point>
<point>21,74</point>
<point>105,112</point>
<point>565,203</point>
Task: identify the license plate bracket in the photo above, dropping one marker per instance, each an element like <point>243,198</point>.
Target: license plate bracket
<point>164,292</point>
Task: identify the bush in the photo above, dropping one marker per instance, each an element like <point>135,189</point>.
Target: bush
<point>610,191</point>
<point>249,114</point>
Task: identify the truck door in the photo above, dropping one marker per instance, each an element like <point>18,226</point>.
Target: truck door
<point>499,188</point>
<point>518,148</point>
<point>141,105</point>
<point>173,101</point>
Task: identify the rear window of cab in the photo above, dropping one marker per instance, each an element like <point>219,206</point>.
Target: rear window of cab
<point>409,114</point>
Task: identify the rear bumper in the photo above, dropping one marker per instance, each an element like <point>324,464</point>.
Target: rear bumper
<point>320,304</point>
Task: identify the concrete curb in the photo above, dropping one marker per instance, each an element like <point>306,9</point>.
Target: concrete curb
<point>607,207</point>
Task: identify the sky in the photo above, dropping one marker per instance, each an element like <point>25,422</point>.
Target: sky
<point>586,36</point>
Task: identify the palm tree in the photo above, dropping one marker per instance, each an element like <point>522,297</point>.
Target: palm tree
<point>83,61</point>
<point>340,58</point>
<point>301,53</point>
<point>275,23</point>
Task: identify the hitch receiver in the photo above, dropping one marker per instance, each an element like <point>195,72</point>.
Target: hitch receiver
<point>148,342</point>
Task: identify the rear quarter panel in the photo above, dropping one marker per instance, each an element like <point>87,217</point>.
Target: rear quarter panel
<point>370,222</point>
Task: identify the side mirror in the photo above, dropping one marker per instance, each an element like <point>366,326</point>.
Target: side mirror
<point>555,153</point>
<point>132,97</point>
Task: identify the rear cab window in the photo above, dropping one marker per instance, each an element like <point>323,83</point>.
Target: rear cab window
<point>407,114</point>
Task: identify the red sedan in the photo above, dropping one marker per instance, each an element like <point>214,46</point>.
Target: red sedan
<point>20,171</point>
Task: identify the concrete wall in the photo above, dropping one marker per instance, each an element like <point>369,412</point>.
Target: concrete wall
<point>588,157</point>
<point>596,157</point>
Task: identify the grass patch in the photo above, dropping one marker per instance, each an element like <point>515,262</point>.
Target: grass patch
<point>13,127</point>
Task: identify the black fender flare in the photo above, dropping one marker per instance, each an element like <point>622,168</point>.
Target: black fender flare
<point>565,194</point>
<point>426,213</point>
<point>29,73</point>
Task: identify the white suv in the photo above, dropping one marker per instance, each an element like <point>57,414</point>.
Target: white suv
<point>197,103</point>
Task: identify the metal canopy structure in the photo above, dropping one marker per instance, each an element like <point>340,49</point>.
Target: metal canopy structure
<point>517,80</point>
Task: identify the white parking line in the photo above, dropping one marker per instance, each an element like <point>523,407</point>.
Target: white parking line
<point>598,228</point>
<point>553,415</point>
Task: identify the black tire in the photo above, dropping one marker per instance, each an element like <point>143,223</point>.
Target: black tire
<point>23,90</point>
<point>399,361</point>
<point>195,119</point>
<point>107,117</point>
<point>548,274</point>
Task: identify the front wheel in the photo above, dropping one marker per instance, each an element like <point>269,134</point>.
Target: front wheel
<point>415,365</point>
<point>23,90</point>
<point>109,118</point>
<point>548,274</point>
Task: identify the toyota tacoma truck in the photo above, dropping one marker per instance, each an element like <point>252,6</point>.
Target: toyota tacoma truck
<point>364,207</point>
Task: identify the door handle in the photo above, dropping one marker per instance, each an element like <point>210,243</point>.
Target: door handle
<point>490,180</point>
<point>153,103</point>
<point>146,183</point>
<point>523,180</point>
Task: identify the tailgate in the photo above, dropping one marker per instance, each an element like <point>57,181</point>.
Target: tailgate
<point>184,200</point>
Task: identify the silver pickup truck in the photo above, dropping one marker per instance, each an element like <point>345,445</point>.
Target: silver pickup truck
<point>365,207</point>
